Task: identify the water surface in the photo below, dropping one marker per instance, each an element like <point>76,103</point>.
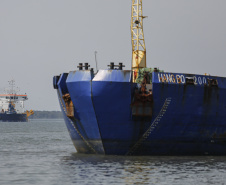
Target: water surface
<point>41,152</point>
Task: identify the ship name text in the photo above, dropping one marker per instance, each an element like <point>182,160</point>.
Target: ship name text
<point>180,79</point>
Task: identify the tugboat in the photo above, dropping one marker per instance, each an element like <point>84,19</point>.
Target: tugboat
<point>12,106</point>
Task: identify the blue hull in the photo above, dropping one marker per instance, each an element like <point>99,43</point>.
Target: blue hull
<point>13,117</point>
<point>184,116</point>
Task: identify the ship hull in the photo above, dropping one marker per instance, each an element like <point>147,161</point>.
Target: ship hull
<point>182,118</point>
<point>13,117</point>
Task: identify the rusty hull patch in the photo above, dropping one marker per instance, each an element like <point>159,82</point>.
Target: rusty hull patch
<point>219,136</point>
<point>69,105</point>
<point>143,99</point>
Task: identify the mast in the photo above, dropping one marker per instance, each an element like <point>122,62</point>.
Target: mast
<point>11,91</point>
<point>96,59</point>
<point>137,37</point>
<point>12,85</point>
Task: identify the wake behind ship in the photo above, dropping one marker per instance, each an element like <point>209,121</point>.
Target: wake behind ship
<point>12,106</point>
<point>143,111</point>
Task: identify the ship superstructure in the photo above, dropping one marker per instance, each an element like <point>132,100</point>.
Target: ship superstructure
<point>17,102</point>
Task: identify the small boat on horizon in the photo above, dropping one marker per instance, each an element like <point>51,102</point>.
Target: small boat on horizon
<point>12,106</point>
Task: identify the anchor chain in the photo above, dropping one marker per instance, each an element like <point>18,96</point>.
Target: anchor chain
<point>151,128</point>
<point>86,142</point>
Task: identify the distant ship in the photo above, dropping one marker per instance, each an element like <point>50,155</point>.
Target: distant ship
<point>143,111</point>
<point>12,106</point>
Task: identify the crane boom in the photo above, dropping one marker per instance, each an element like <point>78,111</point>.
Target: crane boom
<point>137,37</point>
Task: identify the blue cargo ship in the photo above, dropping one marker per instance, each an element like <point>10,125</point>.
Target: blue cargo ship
<point>181,114</point>
<point>143,111</point>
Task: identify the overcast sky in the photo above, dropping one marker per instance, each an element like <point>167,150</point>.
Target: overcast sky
<point>43,38</point>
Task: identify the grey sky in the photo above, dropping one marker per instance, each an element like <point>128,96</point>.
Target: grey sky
<point>43,38</point>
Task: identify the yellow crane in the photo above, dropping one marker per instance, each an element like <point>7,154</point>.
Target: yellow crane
<point>137,37</point>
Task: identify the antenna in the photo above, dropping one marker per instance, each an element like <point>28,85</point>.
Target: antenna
<point>96,59</point>
<point>11,85</point>
<point>12,89</point>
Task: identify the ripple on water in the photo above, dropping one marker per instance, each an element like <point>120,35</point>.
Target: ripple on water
<point>41,152</point>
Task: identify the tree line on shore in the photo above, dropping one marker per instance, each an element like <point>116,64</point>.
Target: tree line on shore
<point>46,115</point>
